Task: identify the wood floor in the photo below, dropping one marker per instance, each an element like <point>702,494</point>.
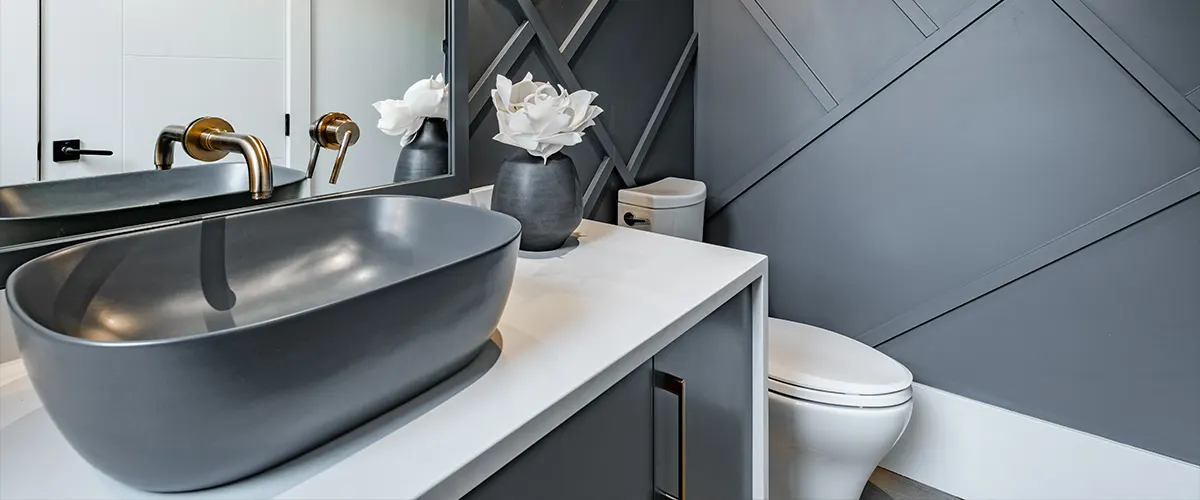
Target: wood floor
<point>887,485</point>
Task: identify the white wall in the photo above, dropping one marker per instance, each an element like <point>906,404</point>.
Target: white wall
<point>366,51</point>
<point>151,63</point>
<point>18,91</point>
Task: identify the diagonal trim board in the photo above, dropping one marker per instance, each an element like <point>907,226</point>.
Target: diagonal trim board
<point>1138,68</point>
<point>686,61</point>
<point>599,180</point>
<point>517,44</point>
<point>917,15</point>
<point>663,106</point>
<point>534,27</point>
<point>501,65</point>
<point>562,69</point>
<point>1132,212</point>
<point>794,59</point>
<point>1142,207</point>
<point>583,28</point>
<point>971,14</point>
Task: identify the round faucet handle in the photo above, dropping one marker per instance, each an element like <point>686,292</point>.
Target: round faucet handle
<point>195,141</point>
<point>335,131</point>
<point>329,131</point>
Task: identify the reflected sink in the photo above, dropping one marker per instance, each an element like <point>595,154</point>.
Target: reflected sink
<point>45,210</point>
<point>195,355</point>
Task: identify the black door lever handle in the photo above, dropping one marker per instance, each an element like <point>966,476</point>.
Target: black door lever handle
<point>70,150</point>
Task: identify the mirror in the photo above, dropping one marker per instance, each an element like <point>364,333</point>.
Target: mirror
<point>113,92</point>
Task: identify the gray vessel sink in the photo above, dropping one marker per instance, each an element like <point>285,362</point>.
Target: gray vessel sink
<point>195,355</point>
<point>53,209</point>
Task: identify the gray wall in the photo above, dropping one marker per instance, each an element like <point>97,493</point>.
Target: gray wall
<point>1000,194</point>
<point>637,54</point>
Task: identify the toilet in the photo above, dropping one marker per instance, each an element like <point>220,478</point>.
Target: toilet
<point>672,206</point>
<point>836,405</point>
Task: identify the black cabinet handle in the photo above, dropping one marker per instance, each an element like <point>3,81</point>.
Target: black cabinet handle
<point>70,150</point>
<point>678,387</point>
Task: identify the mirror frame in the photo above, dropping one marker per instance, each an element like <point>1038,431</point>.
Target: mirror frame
<point>455,183</point>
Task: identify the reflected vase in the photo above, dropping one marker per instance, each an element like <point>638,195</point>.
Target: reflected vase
<point>543,196</point>
<point>428,155</point>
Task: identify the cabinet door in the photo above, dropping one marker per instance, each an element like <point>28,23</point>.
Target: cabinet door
<point>713,364</point>
<point>603,452</point>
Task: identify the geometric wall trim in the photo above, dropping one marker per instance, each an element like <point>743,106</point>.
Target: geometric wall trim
<point>718,201</point>
<point>1141,208</point>
<point>1123,54</point>
<point>1176,102</point>
<point>533,33</point>
<point>794,59</point>
<point>1136,210</point>
<point>917,15</point>
<point>1013,216</point>
<point>1145,206</point>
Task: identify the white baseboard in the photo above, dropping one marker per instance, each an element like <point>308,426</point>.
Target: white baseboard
<point>974,450</point>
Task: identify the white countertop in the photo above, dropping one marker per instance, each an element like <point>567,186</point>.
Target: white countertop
<point>577,321</point>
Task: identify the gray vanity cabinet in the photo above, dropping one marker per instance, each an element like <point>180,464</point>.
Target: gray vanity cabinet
<point>715,359</point>
<point>627,443</point>
<point>603,452</point>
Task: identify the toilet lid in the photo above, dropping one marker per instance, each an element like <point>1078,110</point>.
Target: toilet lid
<point>671,192</point>
<point>815,358</point>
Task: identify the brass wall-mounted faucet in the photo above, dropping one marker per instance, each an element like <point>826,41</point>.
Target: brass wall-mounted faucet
<point>334,131</point>
<point>210,139</point>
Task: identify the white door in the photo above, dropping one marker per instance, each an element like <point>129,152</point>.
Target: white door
<point>115,72</point>
<point>18,92</point>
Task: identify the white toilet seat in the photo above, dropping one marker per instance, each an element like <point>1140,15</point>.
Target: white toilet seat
<point>839,399</point>
<point>817,365</point>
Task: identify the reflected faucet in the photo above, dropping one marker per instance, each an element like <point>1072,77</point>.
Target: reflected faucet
<point>210,139</point>
<point>334,131</point>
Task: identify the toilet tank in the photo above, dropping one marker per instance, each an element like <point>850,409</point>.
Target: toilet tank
<point>671,206</point>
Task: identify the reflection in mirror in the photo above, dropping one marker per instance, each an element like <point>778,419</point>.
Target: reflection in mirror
<point>150,110</point>
<point>366,51</point>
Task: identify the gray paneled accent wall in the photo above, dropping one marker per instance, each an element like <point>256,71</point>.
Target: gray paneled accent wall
<point>1105,340</point>
<point>1013,180</point>
<point>637,54</point>
<point>942,11</point>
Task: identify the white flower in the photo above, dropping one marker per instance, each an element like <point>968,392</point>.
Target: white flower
<point>427,98</point>
<point>539,118</point>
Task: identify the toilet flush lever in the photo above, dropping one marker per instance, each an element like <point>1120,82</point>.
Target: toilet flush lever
<point>334,131</point>
<point>633,221</point>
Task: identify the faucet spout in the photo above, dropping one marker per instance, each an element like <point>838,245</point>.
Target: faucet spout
<point>211,139</point>
<point>258,162</point>
<point>164,147</point>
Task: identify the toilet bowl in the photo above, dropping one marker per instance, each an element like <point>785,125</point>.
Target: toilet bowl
<point>836,407</point>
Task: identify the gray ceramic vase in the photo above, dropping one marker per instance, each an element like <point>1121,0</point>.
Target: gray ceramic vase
<point>545,197</point>
<point>428,155</point>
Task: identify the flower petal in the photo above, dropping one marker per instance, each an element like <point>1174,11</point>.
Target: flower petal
<point>565,139</point>
<point>501,93</point>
